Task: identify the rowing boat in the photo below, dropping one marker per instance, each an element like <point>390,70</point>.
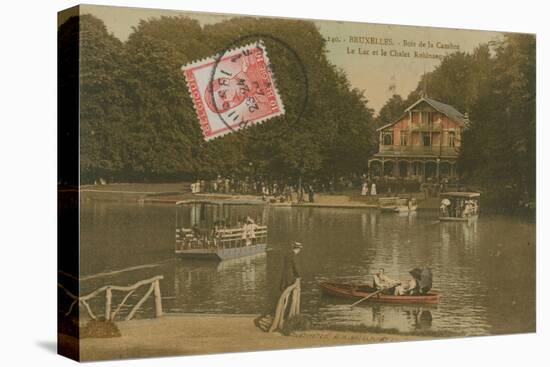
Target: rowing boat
<point>353,291</point>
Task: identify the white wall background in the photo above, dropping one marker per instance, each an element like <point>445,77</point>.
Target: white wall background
<point>28,181</point>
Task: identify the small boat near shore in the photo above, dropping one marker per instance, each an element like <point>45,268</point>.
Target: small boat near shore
<point>353,291</point>
<point>459,207</point>
<point>397,205</point>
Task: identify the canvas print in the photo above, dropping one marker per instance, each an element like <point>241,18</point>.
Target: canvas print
<point>239,183</point>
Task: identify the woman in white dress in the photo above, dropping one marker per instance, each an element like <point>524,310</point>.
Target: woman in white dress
<point>373,189</point>
<point>365,189</point>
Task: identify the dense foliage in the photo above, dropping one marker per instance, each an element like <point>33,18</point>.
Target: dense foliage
<point>138,122</point>
<point>496,85</point>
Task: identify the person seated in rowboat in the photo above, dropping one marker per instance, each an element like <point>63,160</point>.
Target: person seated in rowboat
<point>407,288</point>
<point>419,284</point>
<point>425,280</point>
<point>382,281</point>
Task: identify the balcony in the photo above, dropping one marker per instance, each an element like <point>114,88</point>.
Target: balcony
<point>434,150</point>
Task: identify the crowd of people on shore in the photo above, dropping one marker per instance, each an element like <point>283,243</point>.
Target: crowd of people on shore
<point>392,185</point>
<point>293,190</point>
<point>275,191</point>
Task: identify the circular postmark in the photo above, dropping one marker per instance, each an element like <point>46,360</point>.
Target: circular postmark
<point>230,89</point>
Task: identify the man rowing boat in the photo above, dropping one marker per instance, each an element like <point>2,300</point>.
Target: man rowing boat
<point>382,281</point>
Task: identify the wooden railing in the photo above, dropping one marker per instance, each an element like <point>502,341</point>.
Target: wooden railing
<point>108,289</point>
<point>420,149</point>
<point>280,312</point>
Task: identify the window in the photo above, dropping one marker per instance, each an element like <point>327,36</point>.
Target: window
<point>427,117</point>
<point>404,138</point>
<point>451,138</point>
<point>427,139</point>
<point>387,138</point>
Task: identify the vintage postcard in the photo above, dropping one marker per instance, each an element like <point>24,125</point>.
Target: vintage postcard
<point>238,183</point>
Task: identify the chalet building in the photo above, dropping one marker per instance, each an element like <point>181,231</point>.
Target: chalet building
<point>423,143</point>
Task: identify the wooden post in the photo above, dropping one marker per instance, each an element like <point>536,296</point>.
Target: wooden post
<point>280,311</point>
<point>108,301</point>
<point>138,305</point>
<point>298,296</point>
<point>158,299</point>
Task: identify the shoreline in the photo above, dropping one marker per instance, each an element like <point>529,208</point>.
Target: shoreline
<point>184,334</point>
<point>172,193</point>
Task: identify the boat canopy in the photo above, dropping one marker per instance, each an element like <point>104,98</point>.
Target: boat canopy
<point>461,195</point>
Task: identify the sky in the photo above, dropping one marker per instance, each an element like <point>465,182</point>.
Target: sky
<point>351,46</point>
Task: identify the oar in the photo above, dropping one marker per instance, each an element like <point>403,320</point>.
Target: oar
<point>373,294</point>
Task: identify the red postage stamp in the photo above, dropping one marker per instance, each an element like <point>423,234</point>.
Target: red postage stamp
<point>233,91</point>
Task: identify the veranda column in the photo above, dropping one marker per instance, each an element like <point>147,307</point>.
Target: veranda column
<point>423,171</point>
<point>369,172</point>
<point>437,168</point>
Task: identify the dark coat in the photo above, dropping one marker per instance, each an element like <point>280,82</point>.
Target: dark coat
<point>425,283</point>
<point>290,270</point>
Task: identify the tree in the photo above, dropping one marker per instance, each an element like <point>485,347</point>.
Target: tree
<point>102,100</point>
<point>495,84</point>
<point>140,124</point>
<point>391,111</point>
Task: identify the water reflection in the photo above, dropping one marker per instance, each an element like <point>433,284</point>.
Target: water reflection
<point>375,315</point>
<point>205,286</point>
<point>485,269</point>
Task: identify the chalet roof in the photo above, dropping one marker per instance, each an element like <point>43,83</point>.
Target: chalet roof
<point>441,107</point>
<point>444,108</point>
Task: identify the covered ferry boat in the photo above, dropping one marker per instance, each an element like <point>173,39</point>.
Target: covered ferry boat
<point>218,238</point>
<point>459,206</point>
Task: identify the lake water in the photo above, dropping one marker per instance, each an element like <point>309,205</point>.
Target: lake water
<point>485,270</point>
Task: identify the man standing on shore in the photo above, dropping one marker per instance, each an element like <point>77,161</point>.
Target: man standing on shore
<point>290,269</point>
